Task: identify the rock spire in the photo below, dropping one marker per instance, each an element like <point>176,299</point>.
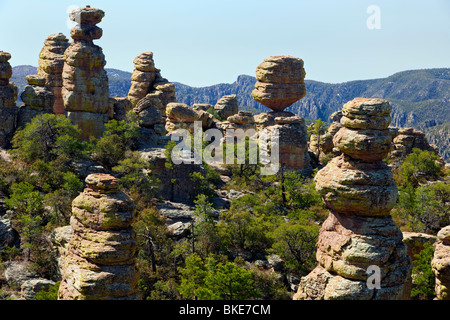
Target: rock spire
<point>85,89</point>
<point>51,63</point>
<point>99,262</point>
<point>359,237</point>
<point>8,97</point>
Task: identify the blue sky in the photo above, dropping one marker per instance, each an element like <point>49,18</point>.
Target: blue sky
<point>205,42</point>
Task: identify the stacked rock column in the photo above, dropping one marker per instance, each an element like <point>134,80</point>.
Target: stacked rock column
<point>150,93</point>
<point>51,63</point>
<point>85,89</point>
<point>99,262</point>
<point>280,83</point>
<point>8,97</point>
<point>441,264</point>
<point>360,250</point>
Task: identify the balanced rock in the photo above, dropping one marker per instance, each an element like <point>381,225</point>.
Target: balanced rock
<point>99,262</point>
<point>280,82</point>
<point>8,97</point>
<point>359,235</point>
<point>441,264</point>
<point>51,64</point>
<point>227,106</point>
<point>85,89</point>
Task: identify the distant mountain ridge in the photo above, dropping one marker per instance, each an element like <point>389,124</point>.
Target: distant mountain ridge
<point>419,98</point>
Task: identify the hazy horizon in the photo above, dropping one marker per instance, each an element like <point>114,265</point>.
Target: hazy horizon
<point>201,43</point>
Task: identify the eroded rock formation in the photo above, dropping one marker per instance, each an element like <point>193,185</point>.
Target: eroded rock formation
<point>406,139</point>
<point>99,262</point>
<point>37,99</point>
<point>150,93</point>
<point>359,233</point>
<point>441,264</point>
<point>280,82</point>
<point>8,97</point>
<point>85,89</point>
<point>51,63</point>
<point>227,106</point>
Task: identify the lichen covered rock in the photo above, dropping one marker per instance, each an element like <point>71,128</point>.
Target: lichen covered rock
<point>441,264</point>
<point>99,262</point>
<point>8,97</point>
<point>85,82</point>
<point>359,234</point>
<point>280,82</point>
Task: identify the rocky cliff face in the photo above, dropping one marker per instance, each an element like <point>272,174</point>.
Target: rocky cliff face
<point>8,96</point>
<point>99,262</point>
<point>359,233</point>
<point>441,264</point>
<point>85,83</point>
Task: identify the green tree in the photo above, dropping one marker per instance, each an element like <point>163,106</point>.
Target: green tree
<point>206,237</point>
<point>47,137</point>
<point>216,279</point>
<point>118,138</point>
<point>423,280</point>
<point>295,243</point>
<point>418,166</point>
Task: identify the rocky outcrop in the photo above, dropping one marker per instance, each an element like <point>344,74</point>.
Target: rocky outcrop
<point>293,138</point>
<point>406,139</point>
<point>227,106</point>
<point>181,116</point>
<point>441,264</point>
<point>415,242</point>
<point>8,97</point>
<point>8,236</point>
<point>359,235</point>
<point>150,93</point>
<point>280,82</point>
<point>51,64</point>
<point>99,262</point>
<point>38,99</point>
<point>85,83</point>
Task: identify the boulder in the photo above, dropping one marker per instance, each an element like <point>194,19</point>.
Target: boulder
<point>280,82</point>
<point>440,264</point>
<point>227,106</point>
<point>30,287</point>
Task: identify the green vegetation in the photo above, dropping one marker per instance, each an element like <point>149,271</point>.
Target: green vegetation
<point>229,252</point>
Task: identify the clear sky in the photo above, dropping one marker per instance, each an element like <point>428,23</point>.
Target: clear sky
<point>205,42</point>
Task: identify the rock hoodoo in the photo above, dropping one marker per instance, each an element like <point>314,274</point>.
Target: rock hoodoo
<point>8,96</point>
<point>150,93</point>
<point>227,106</point>
<point>280,82</point>
<point>85,89</point>
<point>359,232</point>
<point>51,64</point>
<point>99,262</point>
<point>441,264</point>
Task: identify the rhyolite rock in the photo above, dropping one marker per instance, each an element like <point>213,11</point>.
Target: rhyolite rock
<point>99,261</point>
<point>85,89</point>
<point>227,106</point>
<point>440,264</point>
<point>280,82</point>
<point>359,233</point>
<point>8,97</point>
<point>150,94</point>
<point>37,99</point>
<point>51,64</point>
